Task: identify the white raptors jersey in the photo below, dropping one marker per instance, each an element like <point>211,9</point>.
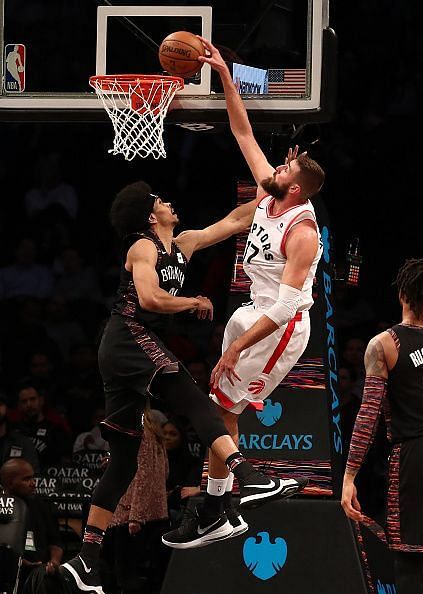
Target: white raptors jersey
<point>264,256</point>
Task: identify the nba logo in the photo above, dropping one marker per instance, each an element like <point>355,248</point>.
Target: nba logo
<point>14,60</point>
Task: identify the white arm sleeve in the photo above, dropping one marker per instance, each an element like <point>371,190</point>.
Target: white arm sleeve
<point>286,306</point>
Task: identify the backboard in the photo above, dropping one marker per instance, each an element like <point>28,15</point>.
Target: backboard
<point>49,48</point>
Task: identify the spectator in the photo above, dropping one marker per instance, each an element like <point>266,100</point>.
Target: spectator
<point>353,357</point>
<point>50,189</point>
<point>64,331</point>
<point>81,374</point>
<point>43,543</point>
<point>214,351</point>
<point>92,440</point>
<point>185,469</point>
<point>183,346</point>
<point>351,307</point>
<point>12,443</point>
<point>200,371</point>
<point>43,375</point>
<point>50,441</point>
<point>82,387</point>
<point>25,277</point>
<point>23,335</point>
<point>141,516</point>
<point>75,280</point>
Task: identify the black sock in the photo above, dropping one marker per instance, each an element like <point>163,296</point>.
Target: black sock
<point>93,537</point>
<point>227,500</point>
<point>240,467</point>
<point>212,505</point>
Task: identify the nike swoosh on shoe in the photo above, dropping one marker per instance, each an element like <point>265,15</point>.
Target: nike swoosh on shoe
<point>87,569</point>
<point>269,485</point>
<point>202,531</point>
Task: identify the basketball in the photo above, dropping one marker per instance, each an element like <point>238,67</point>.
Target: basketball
<point>178,54</point>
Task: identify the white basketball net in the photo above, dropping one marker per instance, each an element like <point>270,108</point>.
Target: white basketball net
<point>137,107</point>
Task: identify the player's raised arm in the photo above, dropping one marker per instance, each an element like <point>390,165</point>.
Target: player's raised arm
<point>238,220</point>
<point>142,258</point>
<point>238,117</point>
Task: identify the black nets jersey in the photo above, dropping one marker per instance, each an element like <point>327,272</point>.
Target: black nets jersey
<point>405,384</point>
<point>170,268</point>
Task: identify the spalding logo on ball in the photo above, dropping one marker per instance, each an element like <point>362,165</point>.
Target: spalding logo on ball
<point>178,54</point>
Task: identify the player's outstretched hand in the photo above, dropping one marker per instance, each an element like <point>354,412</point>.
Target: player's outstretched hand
<point>226,365</point>
<point>205,308</point>
<point>293,154</point>
<point>213,56</point>
<point>349,501</point>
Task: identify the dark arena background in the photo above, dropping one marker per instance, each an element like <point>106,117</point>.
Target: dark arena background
<point>344,82</point>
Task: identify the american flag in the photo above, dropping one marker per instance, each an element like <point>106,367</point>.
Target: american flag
<point>287,81</point>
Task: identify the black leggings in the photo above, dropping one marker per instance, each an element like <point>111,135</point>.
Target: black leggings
<point>119,472</point>
<point>182,397</point>
<point>409,573</point>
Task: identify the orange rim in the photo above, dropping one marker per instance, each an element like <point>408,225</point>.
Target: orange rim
<point>106,82</point>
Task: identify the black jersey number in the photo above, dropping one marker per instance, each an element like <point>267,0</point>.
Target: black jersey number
<point>253,249</point>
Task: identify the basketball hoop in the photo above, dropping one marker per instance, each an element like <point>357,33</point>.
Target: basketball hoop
<point>137,105</point>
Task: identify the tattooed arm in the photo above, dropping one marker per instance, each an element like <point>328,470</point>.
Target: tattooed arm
<point>367,420</point>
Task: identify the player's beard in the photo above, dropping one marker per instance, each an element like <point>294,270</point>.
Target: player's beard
<point>278,191</point>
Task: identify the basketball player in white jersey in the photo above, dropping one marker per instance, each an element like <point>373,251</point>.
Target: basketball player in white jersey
<point>265,339</point>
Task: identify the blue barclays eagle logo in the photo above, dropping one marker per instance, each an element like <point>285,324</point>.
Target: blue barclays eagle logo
<point>325,238</point>
<point>270,414</point>
<point>385,588</point>
<point>263,558</point>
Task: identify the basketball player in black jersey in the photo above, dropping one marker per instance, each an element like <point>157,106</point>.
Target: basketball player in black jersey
<point>135,363</point>
<point>394,385</point>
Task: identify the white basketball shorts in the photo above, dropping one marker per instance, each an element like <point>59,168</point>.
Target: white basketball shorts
<point>263,366</point>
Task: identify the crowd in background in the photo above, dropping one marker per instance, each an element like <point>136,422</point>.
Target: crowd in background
<point>59,262</point>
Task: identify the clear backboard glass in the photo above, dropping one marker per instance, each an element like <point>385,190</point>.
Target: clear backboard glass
<point>51,47</point>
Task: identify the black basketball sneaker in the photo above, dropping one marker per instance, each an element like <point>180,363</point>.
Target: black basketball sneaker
<point>198,530</point>
<point>236,520</point>
<point>82,575</point>
<point>258,488</point>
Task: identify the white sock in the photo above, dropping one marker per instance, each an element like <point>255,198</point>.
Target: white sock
<point>229,482</point>
<point>216,486</point>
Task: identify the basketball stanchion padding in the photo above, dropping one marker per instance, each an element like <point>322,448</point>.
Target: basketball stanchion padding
<point>137,105</point>
<point>295,546</point>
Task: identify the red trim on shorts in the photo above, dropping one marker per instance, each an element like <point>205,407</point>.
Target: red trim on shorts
<point>256,405</point>
<point>228,404</point>
<point>283,343</point>
<point>223,399</point>
<point>291,224</point>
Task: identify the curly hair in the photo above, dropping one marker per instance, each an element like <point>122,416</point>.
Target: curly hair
<point>410,285</point>
<point>131,209</point>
